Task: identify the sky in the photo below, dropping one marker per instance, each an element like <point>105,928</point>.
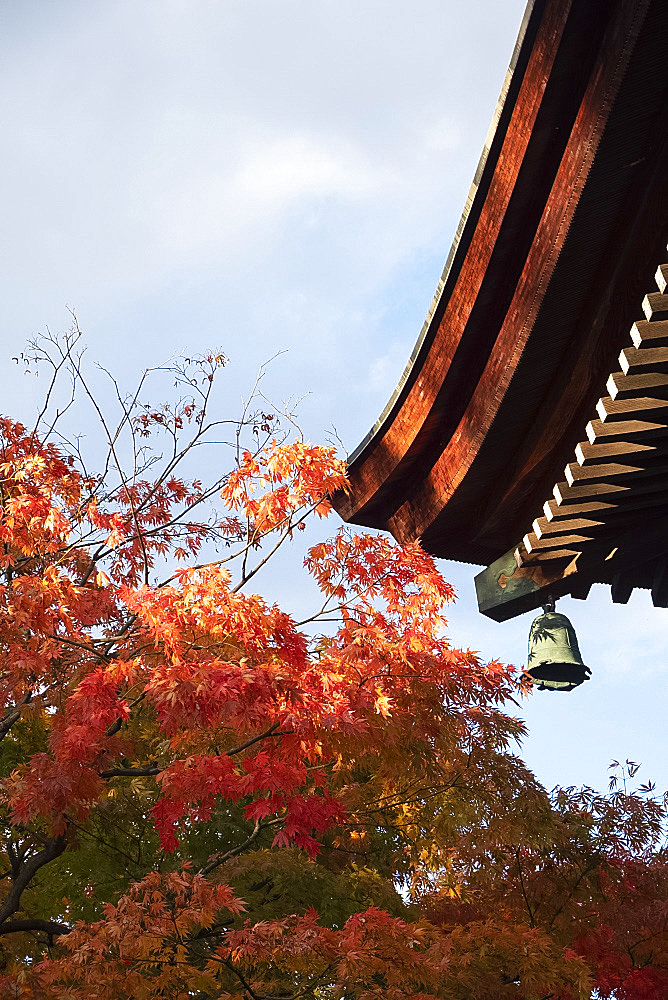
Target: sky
<point>265,176</point>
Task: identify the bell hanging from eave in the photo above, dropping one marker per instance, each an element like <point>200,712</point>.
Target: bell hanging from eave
<point>554,661</point>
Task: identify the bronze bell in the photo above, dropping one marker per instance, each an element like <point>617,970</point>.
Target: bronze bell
<point>554,661</point>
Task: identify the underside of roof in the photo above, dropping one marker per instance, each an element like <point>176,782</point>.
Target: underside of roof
<point>559,243</point>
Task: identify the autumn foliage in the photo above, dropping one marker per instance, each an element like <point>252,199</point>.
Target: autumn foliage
<point>204,798</point>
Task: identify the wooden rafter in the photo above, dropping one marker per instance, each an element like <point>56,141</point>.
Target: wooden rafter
<point>588,531</point>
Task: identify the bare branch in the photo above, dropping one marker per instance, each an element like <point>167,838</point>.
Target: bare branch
<point>66,358</point>
<point>111,441</point>
<point>220,859</point>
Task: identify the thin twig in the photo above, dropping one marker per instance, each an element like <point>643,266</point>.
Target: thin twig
<point>220,859</point>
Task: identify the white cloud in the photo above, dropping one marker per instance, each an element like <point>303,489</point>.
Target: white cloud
<point>233,201</point>
<point>302,166</point>
<point>150,140</point>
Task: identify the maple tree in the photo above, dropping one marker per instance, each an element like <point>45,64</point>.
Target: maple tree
<point>203,798</point>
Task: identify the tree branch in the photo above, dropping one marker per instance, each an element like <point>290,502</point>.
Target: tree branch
<point>152,769</point>
<point>248,989</point>
<point>23,871</point>
<point>50,927</point>
<point>256,739</point>
<point>131,772</point>
<point>13,716</point>
<point>219,859</point>
<point>526,900</point>
<point>115,726</point>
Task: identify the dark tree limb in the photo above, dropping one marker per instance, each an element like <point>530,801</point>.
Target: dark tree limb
<point>153,769</point>
<point>50,927</point>
<point>250,992</point>
<point>256,739</point>
<point>23,872</point>
<point>115,726</point>
<point>531,913</point>
<point>219,859</point>
<point>13,716</point>
<point>131,772</point>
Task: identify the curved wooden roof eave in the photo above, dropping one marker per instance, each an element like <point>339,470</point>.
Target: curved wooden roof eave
<point>413,364</point>
<point>530,307</point>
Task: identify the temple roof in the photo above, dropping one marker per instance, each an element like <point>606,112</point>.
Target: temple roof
<point>561,236</point>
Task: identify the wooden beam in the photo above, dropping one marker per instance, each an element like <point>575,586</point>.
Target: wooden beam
<point>505,589</point>
<point>646,334</point>
<point>621,588</point>
<point>639,362</point>
<point>660,585</point>
<point>532,543</point>
<point>595,475</point>
<point>626,506</point>
<point>621,386</point>
<point>567,493</point>
<point>544,528</point>
<point>624,430</point>
<point>611,471</point>
<point>629,451</point>
<point>580,589</point>
<point>639,407</point>
<point>545,558</point>
<point>561,512</point>
<point>655,306</point>
<point>661,277</point>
